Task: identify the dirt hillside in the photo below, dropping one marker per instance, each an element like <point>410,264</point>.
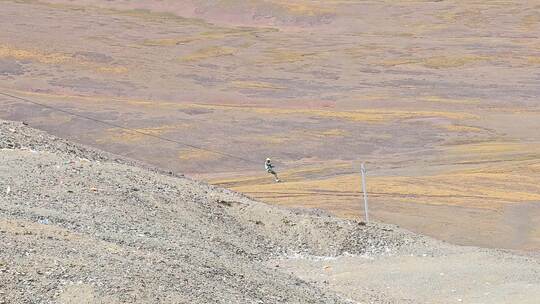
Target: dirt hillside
<point>83,226</point>
<point>80,226</point>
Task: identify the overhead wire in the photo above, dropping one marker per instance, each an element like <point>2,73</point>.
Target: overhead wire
<point>134,131</point>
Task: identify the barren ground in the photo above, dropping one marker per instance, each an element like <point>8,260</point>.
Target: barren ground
<point>439,98</point>
<point>79,225</point>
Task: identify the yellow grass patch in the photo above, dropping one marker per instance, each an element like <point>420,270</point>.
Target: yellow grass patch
<point>168,41</point>
<point>442,62</point>
<point>154,16</point>
<point>304,8</point>
<point>213,34</point>
<point>56,58</point>
<point>530,22</point>
<point>493,147</point>
<point>462,129</point>
<point>448,16</point>
<point>470,17</point>
<point>216,33</point>
<point>365,49</point>
<point>297,136</point>
<point>273,139</point>
<point>368,115</point>
<point>357,52</point>
<point>480,189</point>
<point>423,28</point>
<point>291,175</point>
<point>341,193</point>
<point>224,32</point>
<point>438,99</point>
<point>121,135</point>
<point>52,119</point>
<point>290,56</point>
<point>33,55</point>
<point>144,14</point>
<point>533,59</point>
<point>113,69</point>
<point>436,62</point>
<point>209,52</point>
<point>87,100</point>
<point>196,155</point>
<point>256,85</point>
<point>398,61</point>
<point>509,153</point>
<point>60,6</point>
<point>365,115</point>
<point>332,133</point>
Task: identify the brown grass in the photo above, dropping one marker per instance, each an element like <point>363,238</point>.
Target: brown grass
<point>437,62</point>
<point>196,155</point>
<point>483,188</point>
<point>442,100</point>
<point>280,56</point>
<point>530,22</point>
<point>445,62</point>
<point>57,58</point>
<point>462,129</point>
<point>121,135</point>
<point>467,178</point>
<point>209,52</point>
<point>533,60</point>
<point>303,8</point>
<point>257,85</point>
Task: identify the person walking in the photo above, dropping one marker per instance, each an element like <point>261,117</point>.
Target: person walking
<point>270,169</point>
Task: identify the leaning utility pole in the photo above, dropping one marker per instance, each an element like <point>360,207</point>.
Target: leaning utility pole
<point>363,169</point>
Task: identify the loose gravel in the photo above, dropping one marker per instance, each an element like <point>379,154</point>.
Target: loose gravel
<point>78,225</point>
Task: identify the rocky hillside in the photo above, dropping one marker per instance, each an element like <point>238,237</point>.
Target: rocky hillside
<point>78,225</point>
<point>83,226</point>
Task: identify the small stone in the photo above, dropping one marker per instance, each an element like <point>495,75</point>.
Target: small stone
<point>43,221</point>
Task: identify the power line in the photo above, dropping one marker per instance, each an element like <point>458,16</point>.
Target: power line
<point>134,131</point>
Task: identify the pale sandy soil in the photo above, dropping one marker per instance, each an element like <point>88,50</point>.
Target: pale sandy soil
<point>464,275</point>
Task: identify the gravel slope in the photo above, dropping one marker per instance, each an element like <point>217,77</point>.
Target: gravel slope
<point>78,225</point>
<point>82,226</point>
<point>449,274</point>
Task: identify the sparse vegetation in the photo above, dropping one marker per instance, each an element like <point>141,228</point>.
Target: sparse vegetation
<point>209,52</point>
<point>438,98</point>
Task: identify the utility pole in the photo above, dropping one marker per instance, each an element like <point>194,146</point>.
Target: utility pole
<point>363,169</point>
